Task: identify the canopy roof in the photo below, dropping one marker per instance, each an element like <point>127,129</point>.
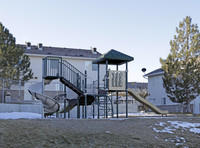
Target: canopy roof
<point>114,58</point>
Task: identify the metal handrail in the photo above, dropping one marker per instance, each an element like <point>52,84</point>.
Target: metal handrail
<point>73,67</point>
<point>52,67</point>
<point>56,67</point>
<point>73,75</point>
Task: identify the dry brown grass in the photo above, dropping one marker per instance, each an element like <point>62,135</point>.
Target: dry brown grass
<point>133,132</point>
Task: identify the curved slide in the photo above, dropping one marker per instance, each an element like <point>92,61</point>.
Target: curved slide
<point>71,103</point>
<point>50,105</point>
<point>146,102</point>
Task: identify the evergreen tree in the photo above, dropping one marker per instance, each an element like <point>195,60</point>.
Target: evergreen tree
<point>14,64</point>
<point>182,67</point>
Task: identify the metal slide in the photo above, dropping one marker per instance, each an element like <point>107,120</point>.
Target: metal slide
<point>71,103</point>
<point>146,102</point>
<point>50,105</point>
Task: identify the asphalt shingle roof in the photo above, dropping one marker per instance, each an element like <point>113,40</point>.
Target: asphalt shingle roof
<point>155,72</point>
<point>58,51</point>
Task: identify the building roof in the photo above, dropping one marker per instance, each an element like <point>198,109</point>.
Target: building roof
<point>155,72</point>
<point>58,51</point>
<point>114,58</point>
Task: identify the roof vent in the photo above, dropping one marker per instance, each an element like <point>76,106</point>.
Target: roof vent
<point>39,46</point>
<point>28,45</point>
<point>94,50</point>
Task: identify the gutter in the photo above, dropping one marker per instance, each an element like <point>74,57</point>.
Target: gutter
<point>154,74</point>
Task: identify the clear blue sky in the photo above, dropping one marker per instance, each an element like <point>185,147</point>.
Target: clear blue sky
<point>139,28</point>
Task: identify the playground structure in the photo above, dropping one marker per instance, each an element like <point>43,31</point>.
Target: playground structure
<point>115,81</point>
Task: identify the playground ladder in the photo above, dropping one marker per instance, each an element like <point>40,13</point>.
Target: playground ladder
<point>103,103</point>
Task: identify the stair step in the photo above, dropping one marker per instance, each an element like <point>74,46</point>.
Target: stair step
<point>71,86</point>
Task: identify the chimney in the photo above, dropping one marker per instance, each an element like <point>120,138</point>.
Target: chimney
<point>40,46</point>
<point>94,50</point>
<point>28,45</point>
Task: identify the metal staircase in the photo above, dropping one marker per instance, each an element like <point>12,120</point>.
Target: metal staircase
<point>57,68</point>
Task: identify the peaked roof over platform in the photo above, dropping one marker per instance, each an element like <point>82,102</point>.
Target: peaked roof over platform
<point>114,58</point>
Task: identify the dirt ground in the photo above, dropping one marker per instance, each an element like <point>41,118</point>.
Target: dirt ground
<point>132,132</point>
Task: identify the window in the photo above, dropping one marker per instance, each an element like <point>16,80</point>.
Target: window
<point>163,101</point>
<point>94,67</point>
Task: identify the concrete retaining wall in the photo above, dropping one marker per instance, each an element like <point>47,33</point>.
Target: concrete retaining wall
<point>33,108</point>
<point>38,108</point>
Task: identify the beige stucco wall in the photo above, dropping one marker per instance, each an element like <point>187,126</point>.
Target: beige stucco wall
<point>156,91</point>
<point>81,64</point>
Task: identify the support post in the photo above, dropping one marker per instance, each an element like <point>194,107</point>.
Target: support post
<point>106,74</point>
<point>60,66</point>
<point>43,86</point>
<point>106,106</point>
<point>65,102</point>
<point>93,109</point>
<point>83,112</point>
<point>65,91</point>
<point>57,115</point>
<point>85,94</point>
<point>68,114</point>
<point>117,97</point>
<point>126,89</point>
<point>106,88</point>
<point>65,108</point>
<point>112,105</point>
<point>98,77</point>
<point>78,107</point>
<point>43,67</point>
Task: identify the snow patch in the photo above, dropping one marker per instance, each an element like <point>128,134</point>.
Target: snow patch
<point>195,130</point>
<point>165,130</point>
<point>178,124</point>
<point>178,140</point>
<point>140,114</point>
<point>118,118</point>
<point>192,127</point>
<point>161,124</point>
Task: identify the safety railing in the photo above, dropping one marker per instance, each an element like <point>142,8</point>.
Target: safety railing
<point>73,75</point>
<point>52,67</point>
<point>56,67</point>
